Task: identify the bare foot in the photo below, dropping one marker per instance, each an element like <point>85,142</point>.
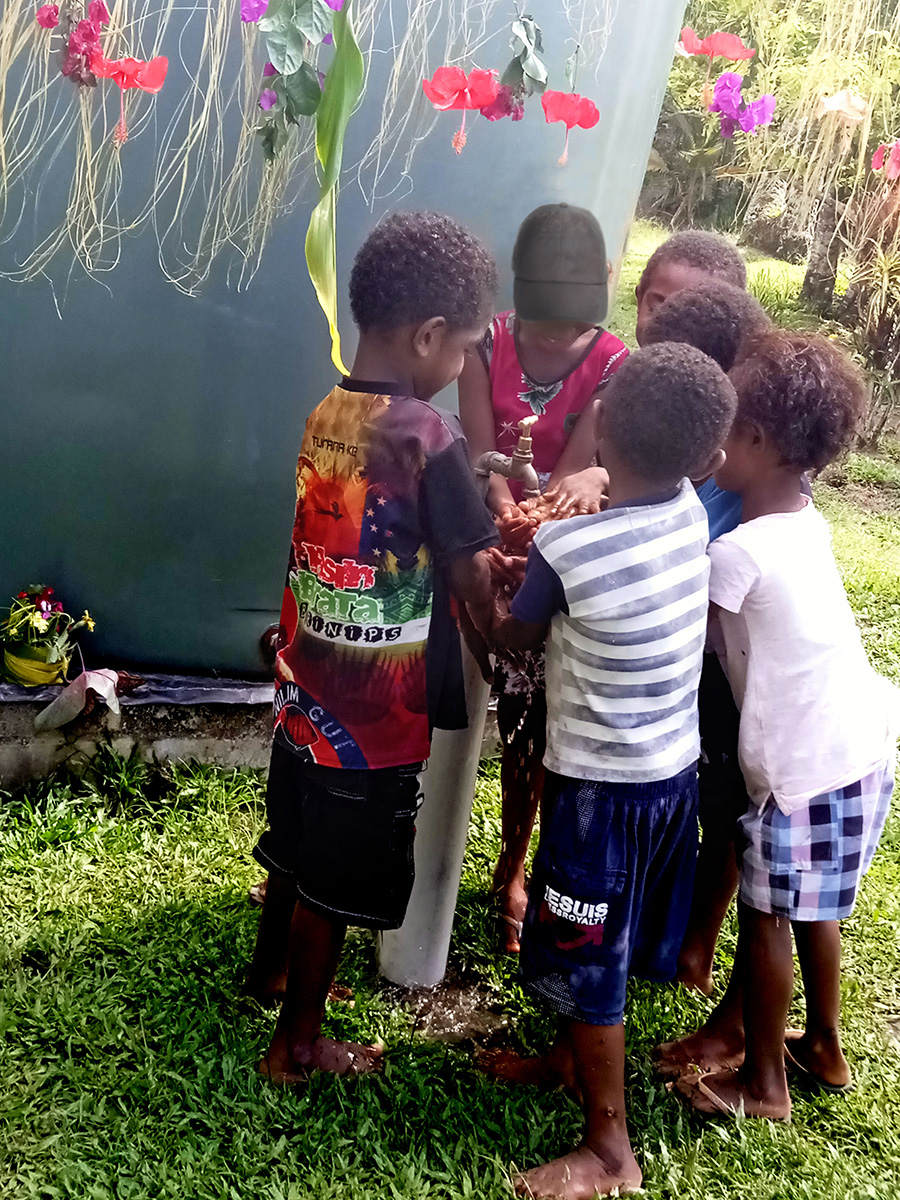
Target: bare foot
<point>580,1175</point>
<point>705,1050</point>
<point>555,1069</point>
<point>819,1058</point>
<point>335,1058</point>
<point>726,1093</point>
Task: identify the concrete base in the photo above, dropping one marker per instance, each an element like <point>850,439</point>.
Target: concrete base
<point>235,732</point>
<point>227,735</point>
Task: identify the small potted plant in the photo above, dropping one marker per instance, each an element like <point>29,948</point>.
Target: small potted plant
<point>37,637</point>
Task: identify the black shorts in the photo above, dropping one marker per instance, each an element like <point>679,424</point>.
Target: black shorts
<point>723,793</point>
<point>345,837</point>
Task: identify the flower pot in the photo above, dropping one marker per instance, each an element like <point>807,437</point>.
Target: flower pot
<point>28,665</point>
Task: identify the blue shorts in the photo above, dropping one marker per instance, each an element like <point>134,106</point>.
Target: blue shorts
<point>610,891</point>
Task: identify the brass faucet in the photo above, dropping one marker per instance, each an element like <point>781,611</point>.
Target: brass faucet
<point>519,465</point>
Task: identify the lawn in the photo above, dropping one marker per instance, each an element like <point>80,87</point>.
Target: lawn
<point>128,1053</point>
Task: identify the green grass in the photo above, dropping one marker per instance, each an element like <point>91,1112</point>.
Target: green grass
<point>127,1054</point>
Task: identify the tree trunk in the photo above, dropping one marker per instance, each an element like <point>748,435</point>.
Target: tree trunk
<point>824,254</point>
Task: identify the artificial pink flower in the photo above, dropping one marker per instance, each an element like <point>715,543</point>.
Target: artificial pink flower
<point>717,45</point>
<point>47,16</point>
<point>452,88</point>
<point>98,13</point>
<point>889,151</point>
<point>267,99</point>
<point>573,110</point>
<point>268,70</point>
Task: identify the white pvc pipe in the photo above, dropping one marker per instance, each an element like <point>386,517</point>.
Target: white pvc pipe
<point>416,954</point>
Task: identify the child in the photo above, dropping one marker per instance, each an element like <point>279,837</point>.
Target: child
<point>544,360</point>
<point>816,731</point>
<point>624,593</point>
<point>388,515</point>
<point>719,319</point>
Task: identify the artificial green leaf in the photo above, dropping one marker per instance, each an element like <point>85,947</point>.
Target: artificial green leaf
<point>314,19</point>
<point>277,17</point>
<point>340,96</point>
<point>285,49</point>
<point>513,76</point>
<point>303,92</point>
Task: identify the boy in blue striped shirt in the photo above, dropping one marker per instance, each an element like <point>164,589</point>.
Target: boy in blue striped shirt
<point>624,595</point>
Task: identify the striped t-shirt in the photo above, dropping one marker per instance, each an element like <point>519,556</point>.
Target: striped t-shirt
<point>626,641</point>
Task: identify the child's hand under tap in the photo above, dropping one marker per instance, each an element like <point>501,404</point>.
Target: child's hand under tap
<point>577,495</point>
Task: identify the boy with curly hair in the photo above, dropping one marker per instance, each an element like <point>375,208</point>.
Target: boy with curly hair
<point>389,522</point>
<point>817,734</point>
<point>623,594</point>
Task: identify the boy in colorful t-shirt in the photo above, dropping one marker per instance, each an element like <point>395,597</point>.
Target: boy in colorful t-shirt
<point>389,523</point>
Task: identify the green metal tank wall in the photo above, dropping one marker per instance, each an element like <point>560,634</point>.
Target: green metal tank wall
<point>149,438</point>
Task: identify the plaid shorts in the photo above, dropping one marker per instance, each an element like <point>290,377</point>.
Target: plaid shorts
<point>808,865</point>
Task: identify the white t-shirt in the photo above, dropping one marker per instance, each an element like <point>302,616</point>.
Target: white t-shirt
<point>815,716</point>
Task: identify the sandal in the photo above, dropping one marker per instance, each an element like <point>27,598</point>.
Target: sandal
<point>505,919</point>
<point>809,1079</point>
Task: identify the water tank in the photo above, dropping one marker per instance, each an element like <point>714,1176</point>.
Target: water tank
<point>150,437</point>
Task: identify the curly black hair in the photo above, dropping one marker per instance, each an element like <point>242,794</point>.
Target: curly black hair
<point>718,318</point>
<point>667,410</point>
<point>704,251</point>
<point>417,265</point>
<point>805,394</point>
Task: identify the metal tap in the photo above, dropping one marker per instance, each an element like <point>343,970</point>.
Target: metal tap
<point>519,465</point>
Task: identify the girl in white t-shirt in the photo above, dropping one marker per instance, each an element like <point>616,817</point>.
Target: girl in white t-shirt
<point>817,735</point>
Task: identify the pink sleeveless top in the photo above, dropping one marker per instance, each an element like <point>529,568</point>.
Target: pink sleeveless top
<point>515,395</point>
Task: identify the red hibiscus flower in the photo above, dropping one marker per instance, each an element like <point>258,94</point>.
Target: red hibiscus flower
<point>451,87</point>
<point>890,151</point>
<point>572,110</point>
<point>130,73</point>
<point>717,45</point>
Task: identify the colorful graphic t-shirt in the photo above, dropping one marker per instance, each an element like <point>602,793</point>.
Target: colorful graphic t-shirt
<point>369,656</point>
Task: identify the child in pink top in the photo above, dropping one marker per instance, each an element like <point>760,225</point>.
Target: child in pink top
<point>817,734</point>
<point>546,360</point>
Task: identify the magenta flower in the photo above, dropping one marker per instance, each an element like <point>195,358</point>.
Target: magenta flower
<point>98,13</point>
<point>335,5</point>
<point>85,38</point>
<point>267,99</point>
<point>727,98</point>
<point>758,112</point>
<point>268,69</point>
<point>509,103</point>
<point>47,16</point>
<point>328,39</point>
<point>252,10</point>
<point>733,112</point>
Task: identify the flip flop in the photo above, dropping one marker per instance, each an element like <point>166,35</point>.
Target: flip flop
<point>721,1107</point>
<point>516,925</point>
<point>811,1080</point>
